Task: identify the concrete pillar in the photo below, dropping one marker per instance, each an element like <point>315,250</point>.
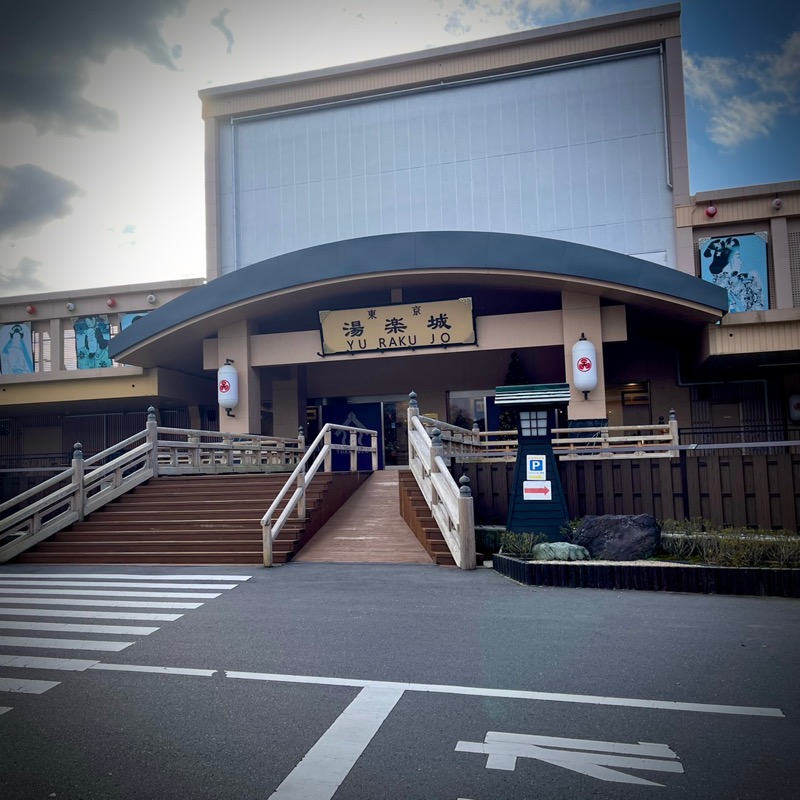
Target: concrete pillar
<point>580,313</point>
<point>56,345</point>
<point>234,343</point>
<point>289,398</point>
<point>779,238</point>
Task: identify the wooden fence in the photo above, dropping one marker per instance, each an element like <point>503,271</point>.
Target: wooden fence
<point>738,490</point>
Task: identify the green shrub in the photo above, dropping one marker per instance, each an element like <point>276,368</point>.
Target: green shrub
<point>519,545</point>
<point>697,541</point>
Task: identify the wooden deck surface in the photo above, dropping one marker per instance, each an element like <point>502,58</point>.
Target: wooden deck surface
<point>368,528</point>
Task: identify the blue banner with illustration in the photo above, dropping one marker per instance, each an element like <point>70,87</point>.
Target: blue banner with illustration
<point>126,320</point>
<point>16,349</point>
<point>739,265</point>
<point>92,335</point>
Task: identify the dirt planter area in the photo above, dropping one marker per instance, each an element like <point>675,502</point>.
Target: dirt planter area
<point>651,576</point>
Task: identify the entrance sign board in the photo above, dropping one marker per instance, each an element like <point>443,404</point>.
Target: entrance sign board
<point>398,327</point>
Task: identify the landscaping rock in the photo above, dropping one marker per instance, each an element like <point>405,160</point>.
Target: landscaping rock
<point>619,537</point>
<point>560,551</point>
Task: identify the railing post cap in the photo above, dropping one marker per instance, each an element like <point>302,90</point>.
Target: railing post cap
<point>464,488</point>
<point>77,450</point>
<point>151,414</point>
<point>672,414</point>
<point>436,436</point>
<point>412,399</point>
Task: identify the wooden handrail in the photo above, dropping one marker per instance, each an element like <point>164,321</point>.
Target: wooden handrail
<point>450,504</point>
<point>303,474</point>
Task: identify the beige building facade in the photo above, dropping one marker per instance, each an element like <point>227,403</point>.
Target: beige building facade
<point>445,222</point>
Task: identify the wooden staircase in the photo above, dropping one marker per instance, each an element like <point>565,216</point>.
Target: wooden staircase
<point>196,519</point>
<point>418,517</point>
<point>414,510</point>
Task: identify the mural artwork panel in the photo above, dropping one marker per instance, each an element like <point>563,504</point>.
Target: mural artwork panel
<point>16,349</point>
<point>739,265</point>
<point>92,335</point>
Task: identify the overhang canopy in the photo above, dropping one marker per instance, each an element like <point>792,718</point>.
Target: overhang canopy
<point>473,259</point>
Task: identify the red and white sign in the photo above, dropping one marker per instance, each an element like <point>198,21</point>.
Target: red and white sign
<point>536,490</point>
<point>224,386</point>
<point>584,364</point>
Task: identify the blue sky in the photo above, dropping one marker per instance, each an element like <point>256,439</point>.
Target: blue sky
<point>101,140</point>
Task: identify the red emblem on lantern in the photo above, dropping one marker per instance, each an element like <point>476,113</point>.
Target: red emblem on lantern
<point>224,386</point>
<point>584,364</point>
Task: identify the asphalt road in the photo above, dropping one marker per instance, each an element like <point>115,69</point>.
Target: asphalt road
<point>366,681</point>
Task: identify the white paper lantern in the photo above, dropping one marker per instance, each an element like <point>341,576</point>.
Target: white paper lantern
<point>584,365</point>
<point>227,385</point>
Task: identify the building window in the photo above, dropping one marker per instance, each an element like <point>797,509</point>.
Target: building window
<point>466,408</point>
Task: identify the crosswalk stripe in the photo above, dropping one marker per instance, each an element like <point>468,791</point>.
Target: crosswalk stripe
<point>3,709</point>
<point>54,601</point>
<point>63,644</point>
<point>119,584</point>
<point>37,662</point>
<point>25,685</point>
<point>67,627</point>
<point>58,612</point>
<point>129,576</point>
<point>206,673</point>
<point>99,592</point>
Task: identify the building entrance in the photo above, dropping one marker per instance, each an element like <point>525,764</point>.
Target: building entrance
<point>395,433</point>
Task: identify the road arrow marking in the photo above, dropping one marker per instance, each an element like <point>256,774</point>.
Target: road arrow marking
<point>585,756</point>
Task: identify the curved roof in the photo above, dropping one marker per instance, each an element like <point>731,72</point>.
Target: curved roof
<point>473,256</point>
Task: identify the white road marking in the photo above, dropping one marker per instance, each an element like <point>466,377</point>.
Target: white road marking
<point>58,612</point>
<point>513,694</point>
<point>63,644</point>
<point>26,686</point>
<point>119,584</point>
<point>3,709</point>
<point>207,673</point>
<point>55,601</point>
<point>37,662</point>
<point>130,576</point>
<point>503,749</point>
<point>110,593</point>
<point>66,627</point>
<point>328,762</point>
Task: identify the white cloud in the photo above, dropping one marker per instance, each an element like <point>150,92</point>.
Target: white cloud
<point>740,120</point>
<point>745,100</point>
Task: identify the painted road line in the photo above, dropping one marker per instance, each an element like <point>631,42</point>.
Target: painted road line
<point>37,662</point>
<point>328,762</point>
<point>515,694</point>
<point>66,627</point>
<point>110,593</point>
<point>59,612</point>
<point>3,709</point>
<point>119,584</point>
<point>205,673</point>
<point>26,686</point>
<point>55,601</point>
<point>503,750</point>
<point>130,576</point>
<point>63,644</point>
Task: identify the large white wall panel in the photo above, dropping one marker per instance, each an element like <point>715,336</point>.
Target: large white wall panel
<point>575,154</point>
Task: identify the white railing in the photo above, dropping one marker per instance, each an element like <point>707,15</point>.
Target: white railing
<point>321,451</point>
<point>617,441</point>
<point>474,445</point>
<point>88,484</point>
<point>450,504</point>
<point>210,452</point>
